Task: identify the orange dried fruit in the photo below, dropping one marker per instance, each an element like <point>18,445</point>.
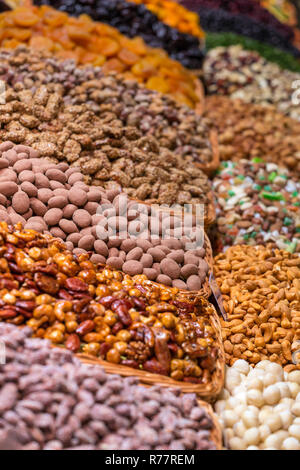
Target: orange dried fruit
<point>128,57</point>
<point>77,34</point>
<point>23,16</point>
<point>11,43</point>
<point>143,69</point>
<point>55,18</point>
<point>20,34</point>
<point>108,46</point>
<point>41,43</point>
<point>158,84</point>
<point>113,65</point>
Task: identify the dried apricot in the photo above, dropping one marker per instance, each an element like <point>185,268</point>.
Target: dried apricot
<point>41,43</point>
<point>77,34</point>
<point>158,84</point>
<point>20,34</point>
<point>24,17</point>
<point>108,46</point>
<point>128,57</point>
<point>113,65</point>
<point>143,69</point>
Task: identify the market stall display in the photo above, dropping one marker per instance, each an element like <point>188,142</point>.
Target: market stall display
<point>245,75</point>
<point>90,42</point>
<point>136,20</point>
<point>257,203</point>
<point>149,225</point>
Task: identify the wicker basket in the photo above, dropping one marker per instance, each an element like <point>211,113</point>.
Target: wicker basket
<point>208,392</point>
<point>216,433</point>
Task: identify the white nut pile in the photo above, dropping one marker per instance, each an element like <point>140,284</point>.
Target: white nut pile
<point>260,407</point>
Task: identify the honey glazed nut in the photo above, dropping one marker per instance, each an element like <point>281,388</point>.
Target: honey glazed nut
<point>123,319</point>
<point>261,290</point>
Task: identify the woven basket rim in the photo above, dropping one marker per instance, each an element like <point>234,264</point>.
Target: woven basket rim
<point>208,392</point>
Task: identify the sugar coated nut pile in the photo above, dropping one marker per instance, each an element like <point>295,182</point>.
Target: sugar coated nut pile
<point>260,408</point>
<point>261,291</point>
<point>124,234</point>
<point>246,75</point>
<point>91,42</point>
<point>257,203</point>
<point>136,20</point>
<point>83,408</point>
<point>111,152</point>
<point>123,319</point>
<point>253,131</point>
<point>112,98</point>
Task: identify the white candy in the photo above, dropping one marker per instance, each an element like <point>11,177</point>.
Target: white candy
<point>262,365</point>
<point>240,409</point>
<point>291,443</point>
<point>264,414</point>
<point>228,434</point>
<point>255,397</point>
<point>242,366</point>
<point>220,406</point>
<point>250,419</point>
<point>264,431</point>
<point>239,429</point>
<point>296,420</point>
<point>252,448</point>
<point>233,402</point>
<point>237,444</point>
<point>274,422</point>
<point>275,369</point>
<point>255,383</point>
<point>294,430</point>
<point>294,388</point>
<point>252,436</point>
<point>233,379</point>
<point>294,376</point>
<point>273,441</point>
<point>284,389</point>
<point>269,379</point>
<point>286,419</point>
<point>229,417</point>
<point>271,395</point>
<point>288,401</point>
